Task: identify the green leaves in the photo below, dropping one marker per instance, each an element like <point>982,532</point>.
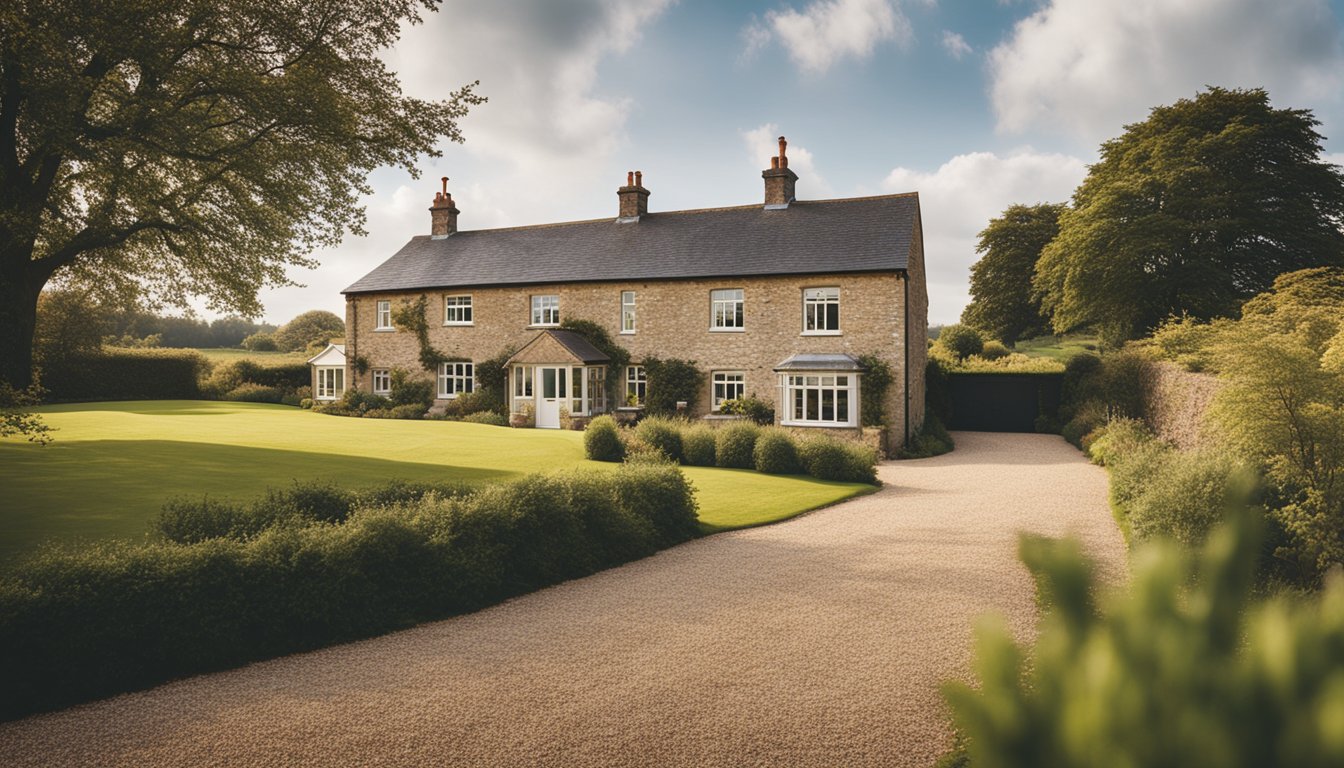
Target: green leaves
<point>1002,303</point>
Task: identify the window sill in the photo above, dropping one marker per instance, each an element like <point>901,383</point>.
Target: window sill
<point>536,327</point>
<point>458,325</point>
<point>821,424</point>
<point>820,333</point>
<point>626,333</point>
<point>727,330</point>
<point>630,408</point>
<point>384,330</point>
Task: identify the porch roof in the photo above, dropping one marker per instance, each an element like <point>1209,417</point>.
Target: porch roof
<point>816,362</point>
<point>558,346</point>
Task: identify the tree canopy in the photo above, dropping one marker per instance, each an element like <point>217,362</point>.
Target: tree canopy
<point>196,148</point>
<point>316,326</point>
<point>1002,301</point>
<point>1191,212</point>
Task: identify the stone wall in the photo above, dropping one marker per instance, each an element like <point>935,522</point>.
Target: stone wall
<point>1176,403</point>
<point>673,321</point>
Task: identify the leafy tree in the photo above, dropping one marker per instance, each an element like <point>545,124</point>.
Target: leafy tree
<point>311,326</point>
<point>197,148</point>
<point>1002,301</point>
<point>1191,212</point>
<point>68,323</point>
<point>1184,667</point>
<point>961,341</point>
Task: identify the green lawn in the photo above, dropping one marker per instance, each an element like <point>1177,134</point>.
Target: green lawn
<point>1059,348</point>
<point>112,465</point>
<point>219,355</point>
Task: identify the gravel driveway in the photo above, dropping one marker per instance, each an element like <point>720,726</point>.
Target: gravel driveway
<point>819,641</point>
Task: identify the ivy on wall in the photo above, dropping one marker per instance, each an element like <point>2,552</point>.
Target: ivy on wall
<point>413,316</point>
<point>597,336</point>
<point>671,381</point>
<point>873,386</point>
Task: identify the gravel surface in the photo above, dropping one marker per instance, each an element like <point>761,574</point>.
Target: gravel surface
<point>818,641</point>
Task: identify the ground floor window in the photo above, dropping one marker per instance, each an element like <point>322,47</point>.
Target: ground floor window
<point>821,399</point>
<point>636,385</point>
<point>522,381</point>
<point>330,383</point>
<point>382,381</point>
<point>456,378</point>
<point>728,385</point>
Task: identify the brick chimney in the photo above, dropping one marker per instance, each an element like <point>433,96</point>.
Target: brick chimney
<point>779,180</point>
<point>634,198</point>
<point>443,214</point>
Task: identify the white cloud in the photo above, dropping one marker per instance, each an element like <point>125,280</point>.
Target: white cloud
<point>1087,67</point>
<point>961,196</point>
<point>955,45</point>
<point>762,143</point>
<point>829,30</point>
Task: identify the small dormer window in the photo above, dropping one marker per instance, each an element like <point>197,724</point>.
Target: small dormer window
<point>546,310</point>
<point>384,322</point>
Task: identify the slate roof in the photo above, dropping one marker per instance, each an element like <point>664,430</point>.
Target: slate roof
<point>579,346</point>
<point>814,362</point>
<point>865,234</point>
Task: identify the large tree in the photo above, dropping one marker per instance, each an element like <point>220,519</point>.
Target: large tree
<point>1191,212</point>
<point>192,148</point>
<point>1002,302</point>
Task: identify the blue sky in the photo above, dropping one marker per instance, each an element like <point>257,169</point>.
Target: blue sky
<point>974,104</point>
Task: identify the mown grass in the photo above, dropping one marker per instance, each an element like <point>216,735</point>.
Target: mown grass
<point>1059,347</point>
<point>219,355</point>
<point>112,465</point>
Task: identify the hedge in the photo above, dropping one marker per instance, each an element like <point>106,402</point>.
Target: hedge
<point>98,620</point>
<point>124,374</point>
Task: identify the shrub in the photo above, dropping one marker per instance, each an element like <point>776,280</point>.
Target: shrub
<point>670,382</point>
<point>187,521</point>
<point>697,446</point>
<point>260,342</point>
<point>486,417</point>
<point>662,434</point>
<point>932,440</point>
<point>161,610</point>
<point>411,391</point>
<point>358,401</point>
<point>937,391</point>
<point>735,445</point>
<point>306,403</point>
<point>125,374</point>
<point>602,440</point>
<point>758,410</point>
<point>1185,665</point>
<point>254,393</point>
<point>775,453</point>
<point>961,341</point>
<point>993,350</point>
<point>315,327</point>
<point>827,458</point>
<point>1117,439</point>
<point>1187,495</point>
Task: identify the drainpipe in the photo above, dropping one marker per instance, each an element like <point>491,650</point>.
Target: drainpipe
<point>905,288</point>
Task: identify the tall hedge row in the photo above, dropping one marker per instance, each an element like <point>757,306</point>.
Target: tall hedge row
<point>123,374</point>
<point>80,624</point>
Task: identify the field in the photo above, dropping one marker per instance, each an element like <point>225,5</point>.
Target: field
<point>219,355</point>
<point>112,465</point>
<point>1059,348</point>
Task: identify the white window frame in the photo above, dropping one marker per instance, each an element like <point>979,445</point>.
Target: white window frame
<point>331,389</point>
<point>458,309</point>
<point>522,382</point>
<point>455,379</point>
<point>383,319</point>
<point>386,375</point>
<point>636,380</point>
<point>727,310</point>
<point>791,383</point>
<point>628,320</point>
<point>816,301</point>
<point>723,383</point>
<point>545,310</point>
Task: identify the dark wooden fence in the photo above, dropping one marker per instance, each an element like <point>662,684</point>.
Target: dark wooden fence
<point>1002,402</point>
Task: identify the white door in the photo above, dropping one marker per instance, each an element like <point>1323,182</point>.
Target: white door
<point>551,394</point>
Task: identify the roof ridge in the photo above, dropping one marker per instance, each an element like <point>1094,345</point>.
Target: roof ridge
<point>653,214</point>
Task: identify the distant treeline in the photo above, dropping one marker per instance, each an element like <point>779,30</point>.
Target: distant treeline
<point>188,332</point>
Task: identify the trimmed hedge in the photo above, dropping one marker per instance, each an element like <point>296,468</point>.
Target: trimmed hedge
<point>602,440</point>
<point>735,445</point>
<point>826,458</point>
<point>125,374</point>
<point>697,446</point>
<point>775,453</point>
<point>80,624</point>
<point>662,434</point>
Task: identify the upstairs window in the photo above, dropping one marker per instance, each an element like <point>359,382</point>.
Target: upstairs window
<point>546,310</point>
<point>636,385</point>
<point>382,381</point>
<point>456,378</point>
<point>384,322</point>
<point>627,311</point>
<point>728,385</point>
<point>725,310</point>
<point>821,310</point>
<point>457,310</point>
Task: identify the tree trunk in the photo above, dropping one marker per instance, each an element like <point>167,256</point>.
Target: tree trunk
<point>19,289</point>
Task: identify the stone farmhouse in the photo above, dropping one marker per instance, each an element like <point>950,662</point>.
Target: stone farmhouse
<point>774,300</point>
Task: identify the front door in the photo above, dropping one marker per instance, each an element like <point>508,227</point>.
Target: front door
<point>551,395</point>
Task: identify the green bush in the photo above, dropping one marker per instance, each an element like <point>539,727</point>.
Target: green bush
<point>602,440</point>
<point>662,434</point>
<point>1187,495</point>
<point>937,391</point>
<point>161,610</point>
<point>306,403</point>
<point>260,342</point>
<point>994,350</point>
<point>961,341</point>
<point>254,393</point>
<point>408,411</point>
<point>1118,439</point>
<point>125,374</point>
<point>932,440</point>
<point>697,446</point>
<point>759,411</point>
<point>486,417</point>
<point>776,453</point>
<point>1185,665</point>
<point>735,445</point>
<point>827,458</point>
<point>408,390</point>
<point>873,386</point>
<point>670,382</point>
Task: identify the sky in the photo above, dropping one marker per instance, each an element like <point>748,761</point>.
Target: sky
<point>975,104</point>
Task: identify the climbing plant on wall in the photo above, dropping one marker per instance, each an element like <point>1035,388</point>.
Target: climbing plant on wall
<point>413,316</point>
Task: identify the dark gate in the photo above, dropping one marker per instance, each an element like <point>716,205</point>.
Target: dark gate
<point>1002,402</point>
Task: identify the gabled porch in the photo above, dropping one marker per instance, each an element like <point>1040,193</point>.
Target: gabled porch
<point>557,379</point>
